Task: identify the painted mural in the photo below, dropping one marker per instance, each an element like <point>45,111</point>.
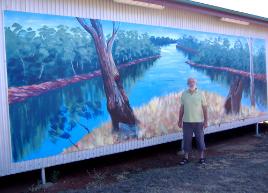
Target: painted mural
<point>76,84</point>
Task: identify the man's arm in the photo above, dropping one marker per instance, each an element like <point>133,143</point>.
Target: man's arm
<point>180,116</point>
<point>205,113</point>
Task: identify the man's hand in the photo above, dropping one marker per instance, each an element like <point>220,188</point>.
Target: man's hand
<point>205,112</point>
<point>180,116</point>
<point>180,124</point>
<point>205,124</point>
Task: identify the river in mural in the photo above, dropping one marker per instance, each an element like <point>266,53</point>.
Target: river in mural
<point>59,86</point>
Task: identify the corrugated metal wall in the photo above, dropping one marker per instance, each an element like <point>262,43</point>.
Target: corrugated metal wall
<point>106,9</point>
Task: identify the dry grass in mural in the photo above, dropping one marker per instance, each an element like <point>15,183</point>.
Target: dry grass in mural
<point>160,117</point>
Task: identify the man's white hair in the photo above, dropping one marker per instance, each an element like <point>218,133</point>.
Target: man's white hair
<point>191,78</point>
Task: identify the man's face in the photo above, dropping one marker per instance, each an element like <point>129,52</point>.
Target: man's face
<point>191,83</point>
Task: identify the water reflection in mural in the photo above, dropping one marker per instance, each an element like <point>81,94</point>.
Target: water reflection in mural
<point>77,84</point>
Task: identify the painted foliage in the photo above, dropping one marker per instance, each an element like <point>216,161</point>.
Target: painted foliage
<point>77,84</point>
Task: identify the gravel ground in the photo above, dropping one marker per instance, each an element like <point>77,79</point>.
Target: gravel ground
<point>240,167</point>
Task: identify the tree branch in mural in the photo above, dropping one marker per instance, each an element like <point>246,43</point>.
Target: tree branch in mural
<point>117,101</point>
<point>233,102</point>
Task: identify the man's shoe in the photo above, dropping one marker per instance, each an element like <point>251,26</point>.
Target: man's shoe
<point>184,161</point>
<point>202,161</point>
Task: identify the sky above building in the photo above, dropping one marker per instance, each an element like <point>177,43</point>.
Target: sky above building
<point>255,7</point>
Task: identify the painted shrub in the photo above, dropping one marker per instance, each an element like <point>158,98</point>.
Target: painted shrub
<point>77,84</point>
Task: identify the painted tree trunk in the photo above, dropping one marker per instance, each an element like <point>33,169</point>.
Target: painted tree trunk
<point>233,101</point>
<point>41,71</point>
<point>117,101</point>
<point>72,65</point>
<point>251,70</point>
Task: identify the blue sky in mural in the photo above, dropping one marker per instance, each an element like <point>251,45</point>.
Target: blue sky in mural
<point>36,21</point>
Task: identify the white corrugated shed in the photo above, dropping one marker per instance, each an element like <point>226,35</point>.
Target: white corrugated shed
<point>107,10</point>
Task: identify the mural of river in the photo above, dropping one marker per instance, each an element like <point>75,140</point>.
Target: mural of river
<point>74,117</point>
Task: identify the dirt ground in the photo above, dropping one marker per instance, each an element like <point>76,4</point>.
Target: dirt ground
<point>237,161</point>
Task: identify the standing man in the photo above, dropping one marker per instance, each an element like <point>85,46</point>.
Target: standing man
<point>193,119</point>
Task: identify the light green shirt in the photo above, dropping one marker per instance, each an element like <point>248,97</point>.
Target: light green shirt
<point>192,104</point>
